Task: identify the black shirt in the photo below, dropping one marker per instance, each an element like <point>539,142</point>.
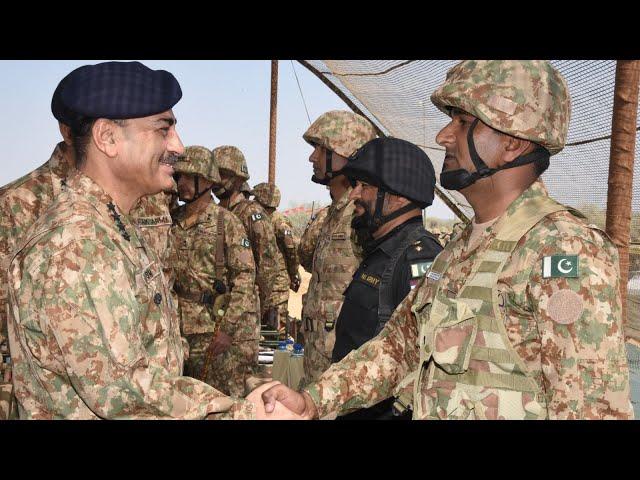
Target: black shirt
<point>358,317</point>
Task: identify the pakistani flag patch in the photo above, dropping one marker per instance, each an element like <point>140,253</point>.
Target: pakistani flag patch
<point>245,243</point>
<point>420,269</point>
<point>557,266</point>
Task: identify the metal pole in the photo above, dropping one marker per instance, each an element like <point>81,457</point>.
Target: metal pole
<point>623,143</point>
<point>272,121</point>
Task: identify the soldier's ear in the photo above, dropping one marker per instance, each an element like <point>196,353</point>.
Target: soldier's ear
<point>104,137</point>
<point>514,148</point>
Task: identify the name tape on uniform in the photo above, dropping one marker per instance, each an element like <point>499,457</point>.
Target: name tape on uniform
<point>370,279</point>
<point>339,236</point>
<point>557,266</point>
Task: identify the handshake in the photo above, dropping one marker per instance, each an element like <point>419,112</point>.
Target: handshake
<point>275,401</point>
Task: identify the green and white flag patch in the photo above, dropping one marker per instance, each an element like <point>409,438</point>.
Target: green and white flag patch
<point>420,269</point>
<point>557,266</point>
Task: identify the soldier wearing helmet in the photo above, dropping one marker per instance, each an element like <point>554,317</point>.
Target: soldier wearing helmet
<point>215,275</point>
<point>268,195</point>
<point>335,135</point>
<point>519,316</point>
<point>271,277</point>
<point>393,180</point>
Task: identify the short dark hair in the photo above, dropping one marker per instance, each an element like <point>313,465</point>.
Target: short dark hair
<point>81,136</point>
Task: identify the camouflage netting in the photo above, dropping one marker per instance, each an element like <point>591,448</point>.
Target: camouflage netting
<point>395,95</point>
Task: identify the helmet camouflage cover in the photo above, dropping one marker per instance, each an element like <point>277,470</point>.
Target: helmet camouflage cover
<point>198,160</point>
<point>340,131</point>
<point>267,194</point>
<point>246,188</point>
<point>527,99</point>
<point>231,158</point>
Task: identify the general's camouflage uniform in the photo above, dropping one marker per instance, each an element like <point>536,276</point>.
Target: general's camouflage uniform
<point>309,239</point>
<point>93,330</point>
<point>552,346</point>
<point>334,263</point>
<point>194,260</point>
<point>26,199</point>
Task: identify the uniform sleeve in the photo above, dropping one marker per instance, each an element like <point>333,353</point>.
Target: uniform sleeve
<point>93,316</point>
<point>291,242</point>
<point>241,311</point>
<point>264,242</point>
<point>370,374</point>
<point>578,315</point>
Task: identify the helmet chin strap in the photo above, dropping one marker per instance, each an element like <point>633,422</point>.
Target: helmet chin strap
<point>461,178</point>
<point>328,170</point>
<point>196,188</point>
<point>378,220</point>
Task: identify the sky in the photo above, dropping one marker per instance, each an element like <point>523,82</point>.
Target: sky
<point>224,102</point>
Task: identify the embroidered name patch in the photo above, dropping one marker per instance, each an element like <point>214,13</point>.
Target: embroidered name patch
<point>256,216</point>
<point>435,276</point>
<point>338,236</point>
<point>370,279</point>
<point>420,269</point>
<point>151,221</point>
<point>557,266</point>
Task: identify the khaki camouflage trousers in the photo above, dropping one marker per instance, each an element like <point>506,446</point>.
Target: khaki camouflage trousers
<point>229,370</point>
<point>318,347</point>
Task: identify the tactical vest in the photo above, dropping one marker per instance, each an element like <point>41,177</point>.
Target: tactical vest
<point>334,263</point>
<point>456,373</point>
<point>386,304</point>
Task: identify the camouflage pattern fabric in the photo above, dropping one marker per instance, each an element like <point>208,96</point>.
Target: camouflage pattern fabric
<point>267,194</point>
<point>566,331</point>
<point>334,263</point>
<point>194,261</point>
<point>309,239</point>
<point>271,272</point>
<point>92,330</point>
<point>230,369</point>
<point>340,131</point>
<point>287,243</point>
<point>527,99</point>
<point>228,157</point>
<point>198,160</point>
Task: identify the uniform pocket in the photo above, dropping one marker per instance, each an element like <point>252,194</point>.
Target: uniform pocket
<point>454,334</point>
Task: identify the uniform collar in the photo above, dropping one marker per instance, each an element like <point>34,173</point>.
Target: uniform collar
<point>86,188</point>
<point>59,167</point>
<point>343,201</point>
<point>389,243</point>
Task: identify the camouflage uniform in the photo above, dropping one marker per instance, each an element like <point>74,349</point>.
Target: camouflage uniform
<point>309,238</point>
<point>336,256</point>
<point>198,271</point>
<point>93,333</point>
<point>523,323</point>
<point>271,277</point>
<point>26,199</point>
<point>268,196</point>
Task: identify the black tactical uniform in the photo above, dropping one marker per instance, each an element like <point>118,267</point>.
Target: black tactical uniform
<point>394,263</point>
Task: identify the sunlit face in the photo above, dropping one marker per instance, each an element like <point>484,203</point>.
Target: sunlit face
<point>364,196</point>
<point>318,159</point>
<point>147,149</point>
<point>454,138</point>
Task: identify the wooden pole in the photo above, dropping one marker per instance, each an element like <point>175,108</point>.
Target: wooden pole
<point>272,121</point>
<point>620,189</point>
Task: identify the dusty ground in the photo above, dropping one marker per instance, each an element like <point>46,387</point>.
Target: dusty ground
<point>295,299</point>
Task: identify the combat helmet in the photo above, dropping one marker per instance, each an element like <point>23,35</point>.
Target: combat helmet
<point>338,131</point>
<point>527,99</point>
<point>230,158</point>
<point>267,194</point>
<point>198,160</point>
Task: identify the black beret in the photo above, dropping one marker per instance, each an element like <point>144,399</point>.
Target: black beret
<point>115,90</point>
<point>395,165</point>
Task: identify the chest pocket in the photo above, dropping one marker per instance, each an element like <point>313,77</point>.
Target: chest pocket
<point>454,333</point>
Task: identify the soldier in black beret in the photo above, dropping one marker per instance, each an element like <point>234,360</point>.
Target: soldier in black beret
<point>86,292</point>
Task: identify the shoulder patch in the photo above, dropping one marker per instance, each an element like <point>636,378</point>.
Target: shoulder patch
<point>420,269</point>
<point>557,266</point>
<point>245,243</point>
<point>256,216</point>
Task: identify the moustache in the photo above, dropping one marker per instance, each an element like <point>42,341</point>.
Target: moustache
<point>170,159</point>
